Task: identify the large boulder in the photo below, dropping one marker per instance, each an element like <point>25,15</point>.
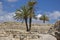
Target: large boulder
<point>40,37</point>
<point>47,37</point>
<point>57,26</point>
<point>57,29</point>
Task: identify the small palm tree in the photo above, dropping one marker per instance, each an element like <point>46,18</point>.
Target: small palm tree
<point>22,15</point>
<point>44,18</point>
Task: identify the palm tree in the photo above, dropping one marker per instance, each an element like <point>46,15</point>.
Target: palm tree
<point>22,15</point>
<point>44,18</point>
<point>26,13</point>
<point>31,12</point>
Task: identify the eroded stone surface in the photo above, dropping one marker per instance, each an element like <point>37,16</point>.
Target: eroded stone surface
<point>28,37</point>
<point>15,31</point>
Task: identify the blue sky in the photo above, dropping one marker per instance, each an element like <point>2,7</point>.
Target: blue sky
<point>49,7</point>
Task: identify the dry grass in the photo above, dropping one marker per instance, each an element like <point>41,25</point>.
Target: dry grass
<point>19,26</point>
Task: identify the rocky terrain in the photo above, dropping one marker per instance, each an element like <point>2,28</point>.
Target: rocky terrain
<point>17,31</point>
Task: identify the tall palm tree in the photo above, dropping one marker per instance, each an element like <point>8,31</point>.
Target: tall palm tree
<point>22,14</point>
<point>31,12</point>
<point>44,18</point>
<point>26,13</point>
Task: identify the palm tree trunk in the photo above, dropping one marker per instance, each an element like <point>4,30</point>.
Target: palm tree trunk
<point>43,21</point>
<point>26,24</point>
<point>30,20</point>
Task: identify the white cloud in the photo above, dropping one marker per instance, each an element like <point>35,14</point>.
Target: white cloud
<point>12,0</point>
<point>38,16</point>
<point>0,2</point>
<point>7,17</point>
<point>55,15</point>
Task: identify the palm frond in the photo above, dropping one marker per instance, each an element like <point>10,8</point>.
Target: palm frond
<point>21,14</point>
